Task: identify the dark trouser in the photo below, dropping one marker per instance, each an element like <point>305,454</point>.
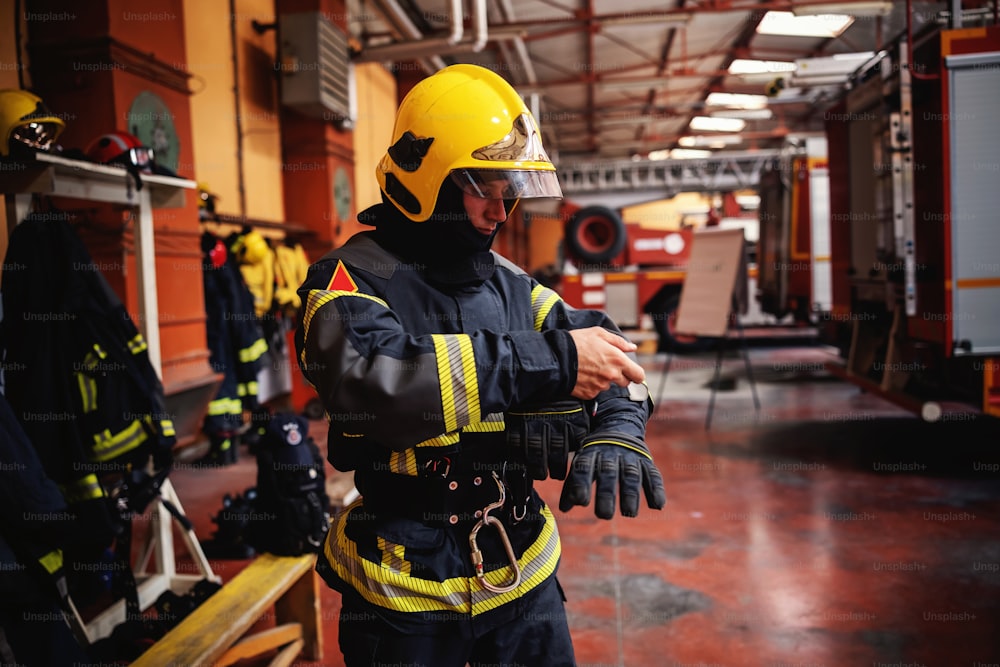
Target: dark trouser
<point>539,636</point>
<point>38,636</point>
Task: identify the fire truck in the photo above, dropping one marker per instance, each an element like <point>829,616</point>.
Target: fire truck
<point>914,248</point>
<point>636,273</point>
<point>633,273</point>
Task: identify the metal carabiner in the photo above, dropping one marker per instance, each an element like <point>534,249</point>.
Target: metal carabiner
<point>477,555</point>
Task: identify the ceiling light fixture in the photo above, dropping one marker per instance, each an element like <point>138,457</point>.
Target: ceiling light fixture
<point>790,25</point>
<point>711,141</point>
<point>686,154</point>
<point>879,8</point>
<point>710,124</point>
<point>745,114</point>
<point>746,66</point>
<point>736,100</point>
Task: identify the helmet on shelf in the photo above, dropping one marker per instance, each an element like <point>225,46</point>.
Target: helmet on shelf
<point>26,123</point>
<point>121,148</point>
<point>465,123</point>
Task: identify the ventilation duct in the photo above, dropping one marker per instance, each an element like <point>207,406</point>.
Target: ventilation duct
<point>317,78</point>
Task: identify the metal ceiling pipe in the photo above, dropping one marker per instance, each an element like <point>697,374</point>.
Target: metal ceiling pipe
<point>457,29</point>
<point>520,48</point>
<point>403,26</point>
<point>479,23</point>
<point>419,47</point>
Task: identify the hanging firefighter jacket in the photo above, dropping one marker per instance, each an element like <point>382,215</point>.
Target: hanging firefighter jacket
<point>291,269</point>
<point>35,525</point>
<point>256,261</point>
<point>235,341</point>
<point>78,375</point>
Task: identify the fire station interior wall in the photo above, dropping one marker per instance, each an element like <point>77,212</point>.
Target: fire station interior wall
<point>376,100</point>
<point>220,99</point>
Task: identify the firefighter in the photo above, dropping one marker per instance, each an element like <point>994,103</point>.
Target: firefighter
<point>451,380</point>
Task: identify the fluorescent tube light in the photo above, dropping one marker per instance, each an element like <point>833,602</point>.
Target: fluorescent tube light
<point>736,100</point>
<point>711,141</point>
<point>787,23</point>
<point>852,8</point>
<point>687,154</point>
<point>710,124</point>
<point>745,114</point>
<point>746,66</point>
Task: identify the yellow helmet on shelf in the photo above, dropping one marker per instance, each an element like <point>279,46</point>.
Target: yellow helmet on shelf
<point>26,122</point>
<point>467,123</point>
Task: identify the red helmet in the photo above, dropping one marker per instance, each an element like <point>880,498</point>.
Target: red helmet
<point>121,148</point>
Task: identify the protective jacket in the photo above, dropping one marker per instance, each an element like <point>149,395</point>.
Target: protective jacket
<point>416,375</point>
<point>235,341</point>
<point>78,375</point>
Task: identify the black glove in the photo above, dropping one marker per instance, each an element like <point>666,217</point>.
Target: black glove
<point>546,434</point>
<point>618,463</point>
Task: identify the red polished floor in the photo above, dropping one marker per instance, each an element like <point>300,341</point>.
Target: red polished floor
<point>831,529</point>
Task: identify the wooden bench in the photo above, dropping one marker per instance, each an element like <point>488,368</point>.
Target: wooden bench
<point>213,634</point>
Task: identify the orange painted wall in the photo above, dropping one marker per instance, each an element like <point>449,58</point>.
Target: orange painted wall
<point>373,132</point>
<point>89,66</point>
<point>221,102</point>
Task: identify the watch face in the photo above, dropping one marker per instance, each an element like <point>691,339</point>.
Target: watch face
<point>638,392</point>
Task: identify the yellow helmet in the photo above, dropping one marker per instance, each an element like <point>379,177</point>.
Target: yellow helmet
<point>467,123</point>
<point>25,120</point>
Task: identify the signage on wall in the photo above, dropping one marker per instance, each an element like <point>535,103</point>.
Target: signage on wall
<point>151,121</point>
<point>342,193</point>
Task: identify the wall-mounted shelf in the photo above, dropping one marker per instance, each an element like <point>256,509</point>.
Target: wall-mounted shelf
<point>57,176</point>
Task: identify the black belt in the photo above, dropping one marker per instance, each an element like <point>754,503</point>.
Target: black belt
<point>455,499</point>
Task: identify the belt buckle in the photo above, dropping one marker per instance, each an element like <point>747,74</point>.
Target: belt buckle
<point>437,467</point>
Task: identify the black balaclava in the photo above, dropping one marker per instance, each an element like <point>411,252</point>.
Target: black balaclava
<point>447,247</point>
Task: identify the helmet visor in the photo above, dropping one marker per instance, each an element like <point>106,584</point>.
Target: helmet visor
<point>36,135</point>
<point>141,157</point>
<point>507,183</point>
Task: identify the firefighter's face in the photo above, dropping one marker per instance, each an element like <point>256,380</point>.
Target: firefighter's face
<point>485,214</point>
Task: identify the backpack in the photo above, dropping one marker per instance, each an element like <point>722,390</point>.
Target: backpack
<point>291,509</point>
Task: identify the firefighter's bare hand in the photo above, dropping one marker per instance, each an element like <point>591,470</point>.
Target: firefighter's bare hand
<point>603,360</point>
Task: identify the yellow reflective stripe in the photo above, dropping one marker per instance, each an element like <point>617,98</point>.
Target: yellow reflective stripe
<point>253,353</point>
<point>491,423</point>
<point>85,488</point>
<point>167,427</point>
<point>247,389</point>
<point>384,587</point>
<point>537,564</point>
<point>393,556</point>
<point>441,440</point>
<point>101,354</point>
<point>404,462</point>
<point>318,298</point>
<point>458,379</point>
<point>618,443</point>
<point>88,392</point>
<point>542,300</point>
<point>225,406</point>
<point>52,561</point>
<point>399,591</point>
<point>108,445</point>
<point>137,344</point>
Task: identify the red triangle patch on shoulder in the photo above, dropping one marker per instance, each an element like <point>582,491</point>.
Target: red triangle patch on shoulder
<point>341,281</point>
